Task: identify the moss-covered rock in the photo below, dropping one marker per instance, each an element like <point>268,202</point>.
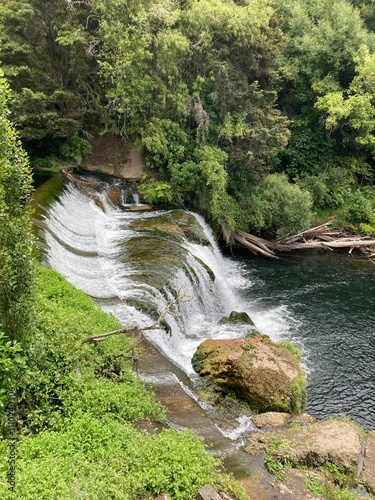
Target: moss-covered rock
<point>244,319</point>
<point>256,369</point>
<point>238,317</point>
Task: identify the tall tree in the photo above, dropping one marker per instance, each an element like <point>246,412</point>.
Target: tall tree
<point>324,37</point>
<point>196,82</point>
<point>46,51</point>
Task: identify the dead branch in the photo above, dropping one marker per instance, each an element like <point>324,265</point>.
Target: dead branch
<point>314,229</point>
<point>326,240</point>
<point>138,330</point>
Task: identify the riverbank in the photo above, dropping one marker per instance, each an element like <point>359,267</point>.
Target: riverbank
<point>87,425</point>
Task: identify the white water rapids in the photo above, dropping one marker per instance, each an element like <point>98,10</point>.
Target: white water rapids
<point>90,247</point>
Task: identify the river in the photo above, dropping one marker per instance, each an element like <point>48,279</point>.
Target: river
<point>135,262</point>
<point>326,304</point>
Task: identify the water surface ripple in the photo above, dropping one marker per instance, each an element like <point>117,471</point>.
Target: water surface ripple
<point>331,299</point>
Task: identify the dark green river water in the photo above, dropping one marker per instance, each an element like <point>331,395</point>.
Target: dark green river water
<point>326,303</point>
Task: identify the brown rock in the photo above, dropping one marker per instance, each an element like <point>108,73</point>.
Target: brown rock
<point>208,493</point>
<point>368,474</point>
<point>255,369</point>
<point>337,441</point>
<point>303,419</point>
<point>113,156</point>
<point>271,419</point>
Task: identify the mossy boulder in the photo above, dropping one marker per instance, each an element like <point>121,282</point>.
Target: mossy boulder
<point>238,317</point>
<point>241,318</point>
<point>256,369</point>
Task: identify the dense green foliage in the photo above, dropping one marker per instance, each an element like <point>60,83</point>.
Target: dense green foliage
<point>104,458</point>
<point>16,249</point>
<point>218,94</point>
<point>78,410</point>
<point>16,242</point>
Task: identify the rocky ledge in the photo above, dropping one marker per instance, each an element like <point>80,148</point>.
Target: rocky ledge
<point>331,459</point>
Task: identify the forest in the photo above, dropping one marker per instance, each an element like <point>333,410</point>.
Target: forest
<point>258,114</point>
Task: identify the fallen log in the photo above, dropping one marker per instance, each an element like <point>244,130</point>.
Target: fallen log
<point>350,243</point>
<point>314,229</point>
<point>268,247</point>
<point>255,248</point>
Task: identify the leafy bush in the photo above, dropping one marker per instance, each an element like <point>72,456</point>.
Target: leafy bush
<point>328,189</point>
<point>164,141</point>
<point>74,147</point>
<point>127,399</point>
<point>104,458</point>
<point>157,192</point>
<point>360,208</point>
<point>12,363</point>
<point>61,365</point>
<point>278,206</point>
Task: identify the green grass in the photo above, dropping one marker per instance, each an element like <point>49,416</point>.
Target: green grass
<point>78,433</point>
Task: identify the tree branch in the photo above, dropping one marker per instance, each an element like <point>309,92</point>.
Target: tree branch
<point>136,329</point>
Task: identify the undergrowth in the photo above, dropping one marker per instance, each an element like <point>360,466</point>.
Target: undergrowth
<point>78,410</point>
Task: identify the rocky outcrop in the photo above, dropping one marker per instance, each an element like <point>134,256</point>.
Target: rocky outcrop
<point>336,441</point>
<point>113,156</point>
<point>333,458</point>
<point>256,369</point>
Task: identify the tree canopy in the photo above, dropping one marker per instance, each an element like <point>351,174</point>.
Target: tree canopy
<point>219,94</point>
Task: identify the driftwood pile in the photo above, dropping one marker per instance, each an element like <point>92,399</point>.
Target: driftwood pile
<point>323,236</point>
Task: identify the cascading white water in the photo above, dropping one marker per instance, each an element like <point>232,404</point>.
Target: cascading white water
<point>127,262</point>
<point>93,248</point>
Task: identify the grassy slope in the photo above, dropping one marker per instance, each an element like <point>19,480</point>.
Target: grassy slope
<point>79,437</point>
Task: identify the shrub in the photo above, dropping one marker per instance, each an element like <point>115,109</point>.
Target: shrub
<point>60,364</point>
<point>359,208</point>
<point>103,458</point>
<point>278,206</point>
<point>328,189</point>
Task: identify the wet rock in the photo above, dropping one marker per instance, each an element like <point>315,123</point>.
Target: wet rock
<point>256,369</point>
<point>368,474</point>
<point>337,441</point>
<point>240,317</point>
<point>271,419</point>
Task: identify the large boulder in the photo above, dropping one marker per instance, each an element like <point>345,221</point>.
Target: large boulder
<point>256,370</point>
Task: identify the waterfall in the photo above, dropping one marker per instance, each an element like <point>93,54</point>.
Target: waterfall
<point>133,263</point>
